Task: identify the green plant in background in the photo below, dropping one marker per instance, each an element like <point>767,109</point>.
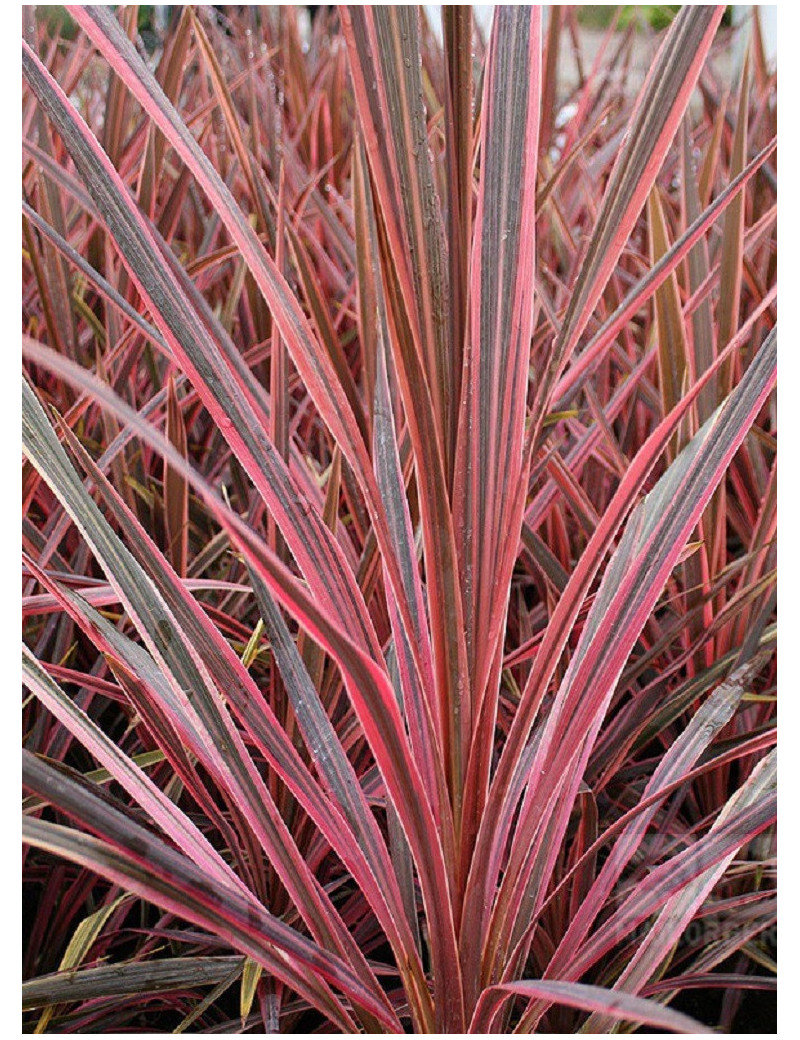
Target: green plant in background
<point>657,16</point>
<point>398,525</point>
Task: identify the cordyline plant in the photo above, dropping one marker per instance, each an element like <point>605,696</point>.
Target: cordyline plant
<point>399,517</point>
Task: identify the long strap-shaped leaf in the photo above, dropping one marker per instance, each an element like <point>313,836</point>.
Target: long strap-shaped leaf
<point>760,743</point>
<point>194,699</point>
<point>457,27</point>
<point>133,977</point>
<point>397,244</point>
<point>227,390</point>
<point>101,594</point>
<point>361,849</point>
<point>677,887</point>
<point>368,685</point>
<point>758,790</point>
<point>512,772</point>
<point>670,327</point>
<point>652,543</point>
<point>106,290</point>
<point>383,45</point>
<point>487,507</point>
<point>418,710</point>
<point>582,364</point>
<point>221,379</point>
<point>154,699</point>
<point>651,129</point>
<point>136,859</point>
<point>299,469</point>
<point>422,710</point>
<point>313,364</point>
<point>359,844</point>
<point>618,1006</point>
<point>340,778</point>
<point>702,729</point>
<point>173,822</point>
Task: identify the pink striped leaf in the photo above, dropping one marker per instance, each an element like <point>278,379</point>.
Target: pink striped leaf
<point>714,713</point>
<point>191,697</point>
<point>103,595</point>
<point>510,777</point>
<point>651,128</point>
<point>648,550</point>
<point>380,884</point>
<point>417,690</point>
<point>675,888</point>
<point>175,824</point>
<point>368,685</point>
<point>487,506</point>
<point>691,239</point>
<point>383,44</point>
<point>133,857</point>
<point>352,831</point>
<point>314,365</point>
<point>424,435</point>
<point>407,239</point>
<point>682,906</point>
<point>223,382</point>
<point>618,1006</point>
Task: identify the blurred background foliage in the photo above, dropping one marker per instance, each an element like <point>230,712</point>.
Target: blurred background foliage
<point>656,16</point>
